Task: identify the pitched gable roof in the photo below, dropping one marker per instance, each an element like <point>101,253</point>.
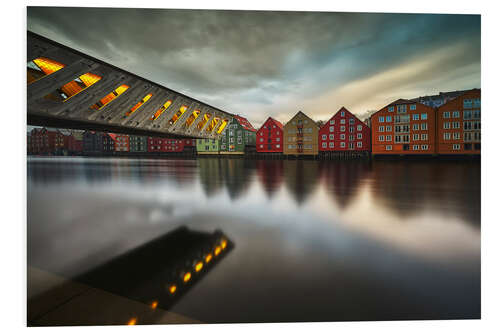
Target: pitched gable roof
<point>245,123</point>
<point>305,115</point>
<point>274,121</point>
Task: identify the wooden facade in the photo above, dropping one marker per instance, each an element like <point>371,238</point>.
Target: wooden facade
<point>300,136</point>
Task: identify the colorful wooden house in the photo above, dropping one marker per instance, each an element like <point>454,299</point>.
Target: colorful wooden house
<point>238,138</point>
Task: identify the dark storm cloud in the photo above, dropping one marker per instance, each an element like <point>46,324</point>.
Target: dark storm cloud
<point>266,62</point>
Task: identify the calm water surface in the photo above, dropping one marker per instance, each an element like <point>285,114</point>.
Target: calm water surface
<point>313,240</point>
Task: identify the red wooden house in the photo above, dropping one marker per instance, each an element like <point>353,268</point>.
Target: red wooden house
<point>167,145</point>
<point>344,132</point>
<point>270,137</point>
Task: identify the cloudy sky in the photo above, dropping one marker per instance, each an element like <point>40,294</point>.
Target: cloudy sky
<point>261,64</point>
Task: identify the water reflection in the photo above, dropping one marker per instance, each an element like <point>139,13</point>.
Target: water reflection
<point>384,239</point>
<point>270,174</point>
<point>342,179</point>
<point>301,178</point>
<point>158,273</point>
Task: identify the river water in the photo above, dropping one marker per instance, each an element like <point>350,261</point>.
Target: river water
<point>313,240</point>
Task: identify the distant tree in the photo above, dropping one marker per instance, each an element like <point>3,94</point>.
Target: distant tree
<point>320,123</point>
<point>367,114</point>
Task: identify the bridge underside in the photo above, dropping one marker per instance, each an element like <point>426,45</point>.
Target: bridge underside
<point>69,89</point>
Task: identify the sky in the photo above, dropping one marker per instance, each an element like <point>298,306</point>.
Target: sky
<point>261,63</point>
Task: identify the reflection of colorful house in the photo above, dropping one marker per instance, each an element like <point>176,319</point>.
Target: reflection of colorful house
<point>300,136</point>
<point>270,174</point>
<point>301,178</point>
<point>238,137</point>
<point>344,132</point>
<point>207,146</point>
<point>270,137</point>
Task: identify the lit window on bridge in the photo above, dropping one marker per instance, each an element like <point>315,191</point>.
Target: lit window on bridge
<point>41,67</point>
<point>212,125</point>
<point>160,110</point>
<point>74,87</point>
<point>222,126</point>
<point>138,105</point>
<point>192,118</point>
<point>202,123</point>
<point>178,114</point>
<point>109,97</point>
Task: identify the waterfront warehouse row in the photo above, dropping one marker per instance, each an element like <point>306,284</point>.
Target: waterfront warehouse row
<point>52,141</point>
<point>444,124</point>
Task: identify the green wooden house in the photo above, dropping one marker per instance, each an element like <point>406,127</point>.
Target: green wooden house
<point>238,136</point>
<point>207,146</point>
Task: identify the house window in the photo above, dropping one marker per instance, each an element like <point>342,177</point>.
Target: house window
<point>342,145</point>
<point>342,136</point>
<point>388,147</point>
<point>456,135</point>
<point>456,147</point>
<point>277,139</point>
<point>359,136</point>
<point>381,119</point>
<point>456,114</point>
<point>331,144</point>
<point>351,121</point>
<point>359,144</point>
<point>323,137</point>
<point>416,147</point>
<point>401,108</point>
<point>359,127</point>
<point>423,126</point>
<point>331,136</point>
<point>415,137</point>
<point>381,128</point>
<point>388,119</point>
<point>388,138</point>
<point>413,107</point>
<point>446,114</point>
<point>446,125</point>
<point>467,115</point>
<point>331,128</point>
<point>425,147</point>
<point>380,138</point>
<point>342,121</point>
<point>277,146</point>
<point>332,122</point>
<point>424,137</point>
<point>415,127</point>
<point>342,114</point>
<point>423,116</point>
<point>447,136</point>
<point>388,128</point>
<point>390,109</point>
<point>456,124</point>
<point>342,128</point>
<point>323,144</point>
<point>416,116</point>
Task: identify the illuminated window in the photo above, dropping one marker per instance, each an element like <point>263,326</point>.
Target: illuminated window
<point>74,87</point>
<point>178,114</point>
<point>109,97</point>
<point>192,118</point>
<point>138,105</point>
<point>41,67</point>
<point>212,125</point>
<point>160,110</point>
<point>202,123</point>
